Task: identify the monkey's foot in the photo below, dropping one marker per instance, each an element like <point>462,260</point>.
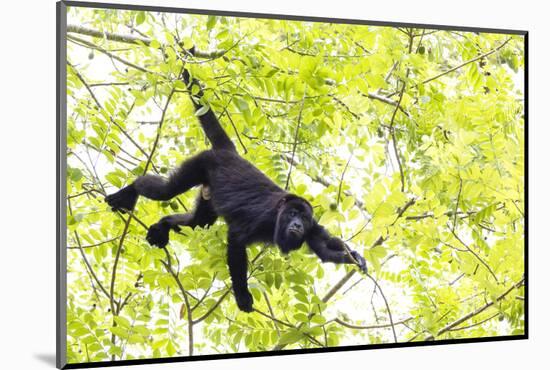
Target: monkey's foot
<point>157,235</point>
<point>123,200</point>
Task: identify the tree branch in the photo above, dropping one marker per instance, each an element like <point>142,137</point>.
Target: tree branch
<point>159,129</point>
<point>341,103</point>
<point>342,179</point>
<point>386,303</point>
<point>168,266</point>
<point>322,181</point>
<point>130,39</point>
<point>90,45</point>
<point>100,107</point>
<point>392,133</point>
<point>477,323</point>
<point>85,259</point>
<point>456,206</point>
<point>218,302</point>
<point>226,112</point>
<point>295,140</point>
<point>386,100</point>
<point>276,320</point>
<point>476,312</point>
<point>368,327</point>
<point>114,311</point>
<point>465,63</point>
<point>272,314</point>
<point>476,256</point>
<point>94,245</point>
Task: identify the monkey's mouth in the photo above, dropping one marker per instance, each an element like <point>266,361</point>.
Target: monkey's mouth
<point>295,232</point>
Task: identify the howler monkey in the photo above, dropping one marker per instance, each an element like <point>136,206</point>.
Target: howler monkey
<point>253,206</point>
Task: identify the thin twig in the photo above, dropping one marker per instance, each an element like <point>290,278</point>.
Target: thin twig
<point>476,256</point>
<point>325,299</point>
<point>386,100</point>
<point>338,286</point>
<point>159,130</point>
<point>387,305</point>
<point>168,266</point>
<point>476,312</point>
<point>348,109</point>
<point>219,301</point>
<point>226,112</point>
<point>456,206</point>
<point>465,63</point>
<point>295,139</point>
<point>272,314</point>
<point>99,106</point>
<point>130,39</point>
<point>322,181</point>
<point>114,310</point>
<point>394,140</point>
<point>368,327</point>
<point>205,293</point>
<point>93,46</point>
<point>476,324</point>
<point>274,319</point>
<point>89,191</point>
<point>95,245</point>
<point>85,259</point>
<point>342,178</point>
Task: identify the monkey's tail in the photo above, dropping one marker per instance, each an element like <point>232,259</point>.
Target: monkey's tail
<point>209,122</point>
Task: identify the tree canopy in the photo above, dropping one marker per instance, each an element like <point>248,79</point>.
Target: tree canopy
<point>408,142</point>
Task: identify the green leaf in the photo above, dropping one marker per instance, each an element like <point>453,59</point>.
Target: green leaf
<point>291,336</point>
<point>140,18</point>
<point>347,203</point>
<point>155,44</point>
<point>211,22</point>
<point>136,338</point>
<point>241,104</point>
<point>123,322</point>
<point>318,319</point>
<point>75,174</point>
<point>113,178</point>
<point>202,110</point>
<point>119,332</point>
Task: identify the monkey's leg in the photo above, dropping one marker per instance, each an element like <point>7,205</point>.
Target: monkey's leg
<point>190,173</point>
<point>202,215</point>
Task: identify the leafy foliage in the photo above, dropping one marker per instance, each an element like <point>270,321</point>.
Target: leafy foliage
<point>408,142</point>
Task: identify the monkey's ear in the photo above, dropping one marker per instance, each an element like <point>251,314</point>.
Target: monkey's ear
<point>281,203</point>
<point>285,198</point>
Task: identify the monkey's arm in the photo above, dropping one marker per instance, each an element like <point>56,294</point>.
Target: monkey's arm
<point>203,215</point>
<point>331,249</point>
<point>238,269</point>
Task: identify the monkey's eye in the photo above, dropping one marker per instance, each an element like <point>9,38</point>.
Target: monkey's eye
<point>292,213</point>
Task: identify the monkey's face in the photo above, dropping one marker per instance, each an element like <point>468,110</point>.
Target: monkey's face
<point>293,222</point>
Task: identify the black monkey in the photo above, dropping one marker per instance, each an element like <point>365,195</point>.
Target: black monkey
<point>254,207</point>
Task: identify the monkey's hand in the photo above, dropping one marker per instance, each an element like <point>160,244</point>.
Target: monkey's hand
<point>337,244</point>
<point>157,235</point>
<point>361,263</point>
<point>123,200</point>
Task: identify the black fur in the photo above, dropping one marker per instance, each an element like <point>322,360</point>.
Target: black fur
<point>254,207</point>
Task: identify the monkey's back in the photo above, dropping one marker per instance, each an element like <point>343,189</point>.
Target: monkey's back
<point>239,190</point>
